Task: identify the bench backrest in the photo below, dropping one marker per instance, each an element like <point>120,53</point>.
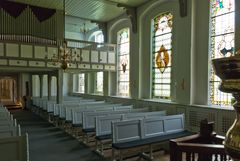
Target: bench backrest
<point>14,148</point>
<point>103,124</point>
<point>63,107</point>
<point>88,118</point>
<point>86,105</point>
<point>50,105</point>
<point>78,114</point>
<point>10,131</point>
<point>125,131</point>
<point>6,123</point>
<point>141,115</point>
<point>164,125</point>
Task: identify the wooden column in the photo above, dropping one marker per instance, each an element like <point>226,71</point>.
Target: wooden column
<point>41,85</point>
<point>49,86</point>
<point>60,86</point>
<point>237,26</point>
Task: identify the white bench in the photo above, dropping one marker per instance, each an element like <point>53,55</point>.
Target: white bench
<point>104,130</point>
<point>10,131</point>
<point>14,148</point>
<point>88,118</point>
<point>62,107</point>
<point>84,105</point>
<point>77,114</point>
<point>7,123</point>
<point>145,132</point>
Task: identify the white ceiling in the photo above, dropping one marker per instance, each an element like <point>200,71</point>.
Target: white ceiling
<point>79,12</point>
<point>99,10</point>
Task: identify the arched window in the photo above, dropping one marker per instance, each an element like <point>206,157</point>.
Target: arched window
<point>162,55</point>
<point>99,37</point>
<point>99,82</point>
<point>123,61</point>
<point>221,44</point>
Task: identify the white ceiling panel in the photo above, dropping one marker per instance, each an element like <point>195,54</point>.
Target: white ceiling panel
<point>99,10</point>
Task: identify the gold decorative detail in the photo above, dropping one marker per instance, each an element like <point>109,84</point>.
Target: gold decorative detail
<point>227,69</point>
<point>162,59</point>
<point>66,57</point>
<point>238,52</point>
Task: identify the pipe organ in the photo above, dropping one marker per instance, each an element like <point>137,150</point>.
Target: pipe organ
<point>30,24</point>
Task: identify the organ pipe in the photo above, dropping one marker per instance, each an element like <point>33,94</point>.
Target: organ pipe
<point>27,28</point>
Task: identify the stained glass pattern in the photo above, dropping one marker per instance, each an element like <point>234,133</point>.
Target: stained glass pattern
<point>162,36</point>
<point>222,44</point>
<point>123,62</point>
<point>99,82</point>
<point>81,83</point>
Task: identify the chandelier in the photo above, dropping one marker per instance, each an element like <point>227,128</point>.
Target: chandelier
<point>66,57</point>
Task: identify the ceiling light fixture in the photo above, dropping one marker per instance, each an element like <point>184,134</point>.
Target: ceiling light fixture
<point>66,56</point>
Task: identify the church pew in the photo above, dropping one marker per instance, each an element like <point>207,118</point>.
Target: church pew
<point>10,131</point>
<point>7,123</point>
<point>59,113</point>
<point>63,106</point>
<point>88,118</point>
<point>88,106</point>
<point>145,133</point>
<point>103,125</point>
<point>77,115</point>
<point>85,105</point>
<point>14,148</point>
<point>5,115</point>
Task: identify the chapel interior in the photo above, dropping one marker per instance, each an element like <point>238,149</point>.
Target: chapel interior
<point>126,60</point>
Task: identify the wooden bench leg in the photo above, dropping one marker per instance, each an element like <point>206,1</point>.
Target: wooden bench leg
<point>151,152</point>
<point>121,156</point>
<point>113,154</point>
<point>102,149</point>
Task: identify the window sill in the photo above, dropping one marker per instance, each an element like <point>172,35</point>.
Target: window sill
<point>227,108</point>
<point>124,97</point>
<point>159,101</point>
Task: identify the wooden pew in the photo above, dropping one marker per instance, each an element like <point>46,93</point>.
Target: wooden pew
<point>103,126</point>
<point>59,112</point>
<point>10,131</point>
<point>148,132</point>
<point>205,146</point>
<point>14,148</point>
<point>88,118</point>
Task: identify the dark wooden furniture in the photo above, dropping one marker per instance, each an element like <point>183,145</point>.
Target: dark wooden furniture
<point>205,146</point>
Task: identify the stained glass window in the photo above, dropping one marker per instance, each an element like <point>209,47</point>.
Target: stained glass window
<point>222,44</point>
<point>81,83</point>
<point>99,82</point>
<point>123,61</point>
<point>161,56</point>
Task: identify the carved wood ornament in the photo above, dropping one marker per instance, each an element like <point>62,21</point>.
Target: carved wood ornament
<point>132,14</point>
<point>183,8</point>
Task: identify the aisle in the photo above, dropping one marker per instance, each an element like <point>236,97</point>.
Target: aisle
<point>48,143</point>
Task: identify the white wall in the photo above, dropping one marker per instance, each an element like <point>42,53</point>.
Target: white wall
<point>140,50</point>
<point>191,61</point>
<point>35,86</point>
